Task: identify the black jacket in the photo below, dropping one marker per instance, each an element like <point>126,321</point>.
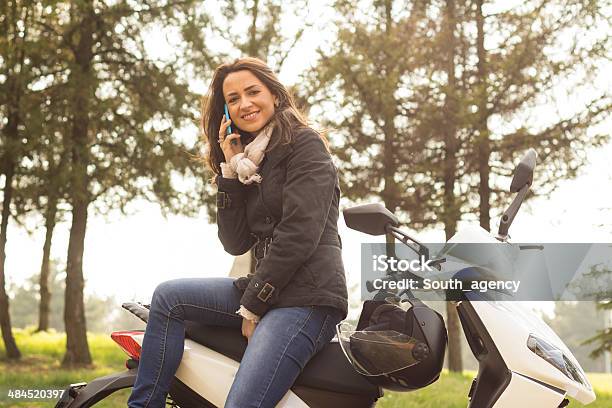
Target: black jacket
<point>297,205</point>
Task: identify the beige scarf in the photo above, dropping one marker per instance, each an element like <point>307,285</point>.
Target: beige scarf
<point>245,165</point>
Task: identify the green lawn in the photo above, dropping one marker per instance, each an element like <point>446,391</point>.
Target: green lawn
<point>450,391</point>
<point>40,369</point>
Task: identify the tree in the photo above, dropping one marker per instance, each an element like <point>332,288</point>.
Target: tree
<point>393,111</point>
<point>450,209</point>
<point>41,163</point>
<point>114,110</point>
<point>360,79</point>
<point>535,50</point>
<point>20,53</point>
<point>528,39</point>
<point>54,192</point>
<point>603,338</point>
<point>42,186</point>
<point>415,105</point>
<point>596,284</point>
<point>119,142</point>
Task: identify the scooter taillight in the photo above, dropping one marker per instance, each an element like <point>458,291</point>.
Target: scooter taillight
<point>125,340</point>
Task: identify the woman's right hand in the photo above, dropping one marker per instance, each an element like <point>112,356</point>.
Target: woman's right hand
<point>248,327</point>
<point>225,141</point>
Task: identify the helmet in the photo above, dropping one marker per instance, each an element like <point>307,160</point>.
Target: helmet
<point>397,349</point>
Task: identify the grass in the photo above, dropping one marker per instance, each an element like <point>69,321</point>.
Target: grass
<point>40,367</point>
<point>451,390</point>
<point>42,353</point>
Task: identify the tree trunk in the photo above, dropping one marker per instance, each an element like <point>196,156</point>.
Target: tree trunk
<point>45,294</point>
<point>484,148</point>
<point>12,351</point>
<point>77,349</point>
<point>389,193</point>
<point>450,208</point>
<point>451,211</point>
<point>453,326</point>
<point>253,47</point>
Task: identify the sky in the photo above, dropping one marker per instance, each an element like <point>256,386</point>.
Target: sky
<point>128,256</point>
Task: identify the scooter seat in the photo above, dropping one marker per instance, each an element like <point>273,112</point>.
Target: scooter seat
<point>327,370</point>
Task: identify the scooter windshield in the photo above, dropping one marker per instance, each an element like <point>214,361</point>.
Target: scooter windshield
<point>376,352</point>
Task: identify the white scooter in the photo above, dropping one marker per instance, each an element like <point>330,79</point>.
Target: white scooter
<point>521,360</point>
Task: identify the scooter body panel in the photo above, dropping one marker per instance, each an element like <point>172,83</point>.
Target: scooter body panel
<point>211,374</point>
<point>523,392</point>
<point>509,325</point>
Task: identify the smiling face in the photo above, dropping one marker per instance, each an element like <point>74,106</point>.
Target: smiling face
<point>250,102</point>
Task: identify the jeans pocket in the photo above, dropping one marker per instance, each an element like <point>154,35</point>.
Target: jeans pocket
<point>327,332</point>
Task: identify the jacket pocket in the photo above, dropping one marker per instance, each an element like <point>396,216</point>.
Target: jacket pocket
<point>306,277</point>
<point>325,266</point>
<point>272,192</point>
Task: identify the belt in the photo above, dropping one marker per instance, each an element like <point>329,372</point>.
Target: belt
<point>262,246</point>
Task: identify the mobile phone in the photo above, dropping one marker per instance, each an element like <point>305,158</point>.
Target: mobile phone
<point>228,131</point>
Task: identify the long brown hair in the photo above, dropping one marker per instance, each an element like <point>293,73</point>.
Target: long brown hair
<point>286,116</point>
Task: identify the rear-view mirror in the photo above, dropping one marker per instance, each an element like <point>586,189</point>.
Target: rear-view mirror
<point>369,218</point>
<point>523,173</point>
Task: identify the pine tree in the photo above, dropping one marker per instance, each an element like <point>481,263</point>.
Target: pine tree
<point>526,56</point>
<point>21,57</point>
<point>426,113</point>
<point>119,142</point>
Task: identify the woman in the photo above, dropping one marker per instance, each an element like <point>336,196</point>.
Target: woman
<point>278,193</point>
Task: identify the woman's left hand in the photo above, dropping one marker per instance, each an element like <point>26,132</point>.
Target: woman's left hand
<point>248,327</point>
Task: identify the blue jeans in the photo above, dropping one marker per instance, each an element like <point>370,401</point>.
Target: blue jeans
<point>281,345</point>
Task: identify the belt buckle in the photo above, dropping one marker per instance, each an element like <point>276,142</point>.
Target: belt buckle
<point>265,293</point>
<point>262,246</point>
<point>223,200</point>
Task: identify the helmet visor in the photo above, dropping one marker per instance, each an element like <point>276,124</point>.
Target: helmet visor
<point>376,352</point>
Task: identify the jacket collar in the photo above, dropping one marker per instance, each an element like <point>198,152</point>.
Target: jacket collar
<point>278,153</point>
